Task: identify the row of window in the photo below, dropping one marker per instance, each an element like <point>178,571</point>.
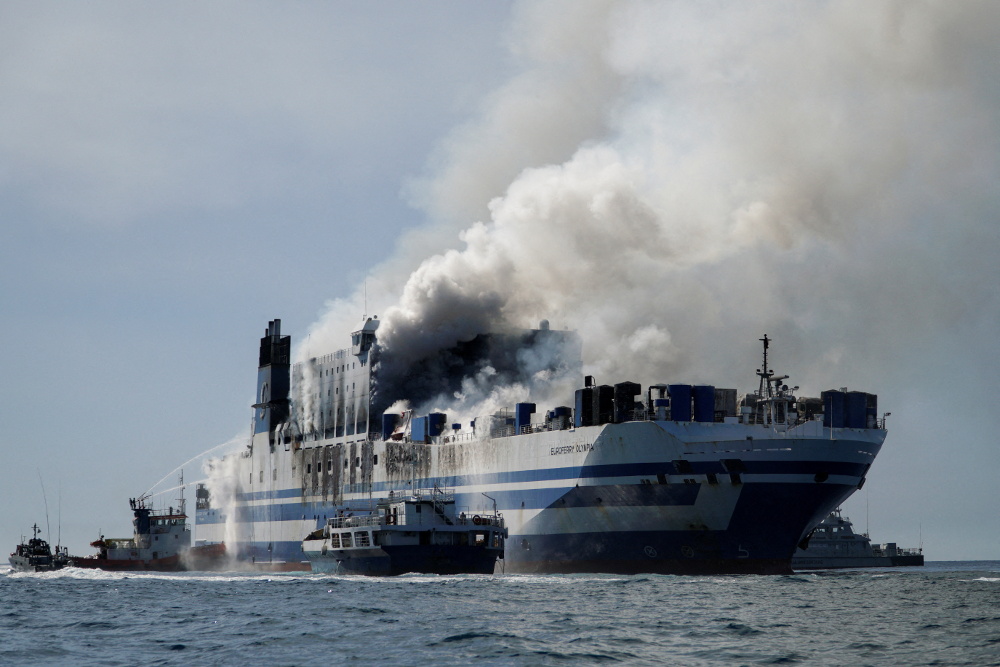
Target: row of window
<point>329,465</point>
<point>343,540</point>
<point>342,369</point>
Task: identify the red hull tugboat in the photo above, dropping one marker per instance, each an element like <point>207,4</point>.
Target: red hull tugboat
<point>161,542</point>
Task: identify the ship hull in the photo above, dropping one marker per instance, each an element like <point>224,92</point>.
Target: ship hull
<point>637,497</point>
<point>169,564</point>
<point>23,564</point>
<point>199,558</point>
<point>834,563</point>
<point>404,559</point>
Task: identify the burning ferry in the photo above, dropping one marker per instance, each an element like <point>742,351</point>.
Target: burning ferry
<point>667,478</point>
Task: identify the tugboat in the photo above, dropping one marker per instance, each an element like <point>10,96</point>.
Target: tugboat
<point>159,537</point>
<point>418,533</point>
<point>35,555</point>
<point>834,544</point>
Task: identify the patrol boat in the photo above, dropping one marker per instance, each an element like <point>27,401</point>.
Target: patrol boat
<point>834,544</point>
<point>422,532</point>
<point>671,479</point>
<point>35,555</point>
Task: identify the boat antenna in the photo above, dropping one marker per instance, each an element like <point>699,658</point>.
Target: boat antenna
<point>48,530</point>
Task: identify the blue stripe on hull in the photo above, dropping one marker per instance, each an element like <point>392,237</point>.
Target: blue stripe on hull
<point>570,475</point>
<point>584,496</point>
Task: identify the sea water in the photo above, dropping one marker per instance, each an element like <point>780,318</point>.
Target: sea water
<point>940,614</point>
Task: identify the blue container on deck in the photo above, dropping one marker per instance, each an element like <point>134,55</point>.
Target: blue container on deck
<point>704,403</point>
<point>680,402</point>
<point>856,410</point>
<point>522,416</point>
<point>871,411</point>
<point>418,429</point>
<point>834,408</point>
<point>625,404</point>
<point>604,404</point>
<point>584,407</point>
<point>389,422</point>
<point>436,423</point>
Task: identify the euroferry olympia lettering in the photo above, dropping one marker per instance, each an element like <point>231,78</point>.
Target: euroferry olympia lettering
<point>667,478</point>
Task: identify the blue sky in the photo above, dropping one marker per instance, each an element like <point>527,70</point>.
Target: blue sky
<point>671,180</point>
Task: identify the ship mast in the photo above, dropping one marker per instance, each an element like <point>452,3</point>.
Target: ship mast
<point>183,503</point>
<point>764,372</point>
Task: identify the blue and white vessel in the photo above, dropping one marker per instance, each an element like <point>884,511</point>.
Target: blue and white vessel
<point>422,532</point>
<point>671,479</point>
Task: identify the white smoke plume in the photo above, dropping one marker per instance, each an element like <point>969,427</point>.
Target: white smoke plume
<point>673,180</point>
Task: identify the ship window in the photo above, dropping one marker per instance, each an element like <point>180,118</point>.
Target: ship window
<point>262,475</point>
<point>357,461</point>
<point>319,466</point>
<point>274,474</point>
<point>375,460</point>
<point>345,464</point>
<point>334,540</point>
<point>309,468</point>
<point>345,539</point>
